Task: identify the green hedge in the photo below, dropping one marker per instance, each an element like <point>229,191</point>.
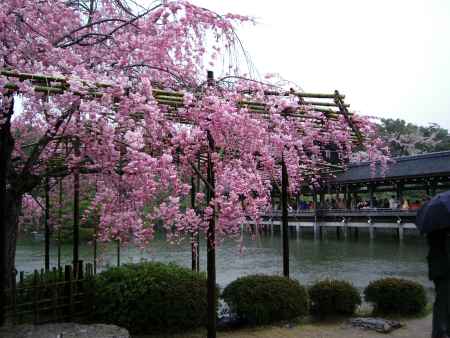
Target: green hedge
<point>260,299</point>
<point>151,297</point>
<point>333,297</point>
<point>396,296</point>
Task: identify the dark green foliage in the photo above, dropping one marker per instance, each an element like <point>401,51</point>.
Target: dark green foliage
<point>333,297</point>
<point>396,296</point>
<point>260,299</point>
<point>151,297</point>
<point>85,235</point>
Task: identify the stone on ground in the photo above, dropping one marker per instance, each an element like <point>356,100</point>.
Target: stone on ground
<point>65,330</point>
<point>376,324</point>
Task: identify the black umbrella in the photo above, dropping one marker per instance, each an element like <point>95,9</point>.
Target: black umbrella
<point>434,215</point>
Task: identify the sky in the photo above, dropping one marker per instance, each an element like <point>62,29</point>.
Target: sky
<point>391,58</point>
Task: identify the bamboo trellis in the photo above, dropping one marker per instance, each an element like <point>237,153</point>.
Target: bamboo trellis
<point>331,105</point>
<point>57,85</point>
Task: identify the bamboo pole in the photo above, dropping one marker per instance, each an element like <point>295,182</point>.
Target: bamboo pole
<point>171,98</point>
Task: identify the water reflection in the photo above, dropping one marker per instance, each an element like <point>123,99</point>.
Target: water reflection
<point>359,261</point>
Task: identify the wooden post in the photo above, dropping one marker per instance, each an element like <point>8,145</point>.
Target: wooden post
<point>284,217</point>
<point>198,233</point>
<point>118,252</point>
<point>35,296</point>
<point>371,195</point>
<point>211,236</point>
<point>322,199</point>
<point>211,254</point>
<point>399,193</point>
<point>316,213</point>
<point>68,291</point>
<point>76,215</point>
<point>47,225</point>
<point>54,293</point>
<point>60,220</point>
<point>193,237</point>
<point>95,251</point>
<point>76,197</point>
<point>14,299</point>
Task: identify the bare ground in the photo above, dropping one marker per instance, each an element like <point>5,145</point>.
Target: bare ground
<point>412,328</point>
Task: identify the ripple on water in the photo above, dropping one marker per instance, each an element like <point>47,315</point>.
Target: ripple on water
<point>357,261</point>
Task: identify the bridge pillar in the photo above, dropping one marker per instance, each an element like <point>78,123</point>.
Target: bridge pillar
<point>400,233</point>
<point>344,227</point>
<point>317,230</point>
<point>371,232</point>
<point>400,230</point>
<point>297,230</point>
<point>371,229</point>
<point>338,232</point>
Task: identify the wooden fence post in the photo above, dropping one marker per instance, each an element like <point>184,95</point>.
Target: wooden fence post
<point>13,298</point>
<point>68,291</point>
<point>54,293</point>
<point>35,289</point>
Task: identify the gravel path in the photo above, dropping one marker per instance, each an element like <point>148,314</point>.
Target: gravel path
<point>413,328</point>
<point>416,328</point>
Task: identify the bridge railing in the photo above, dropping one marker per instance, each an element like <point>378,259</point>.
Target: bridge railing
<point>369,212</point>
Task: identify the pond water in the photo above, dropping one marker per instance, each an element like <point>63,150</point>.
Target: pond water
<point>358,261</point>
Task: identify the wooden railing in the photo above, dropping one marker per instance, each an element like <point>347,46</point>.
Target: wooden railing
<point>370,212</point>
<point>56,295</point>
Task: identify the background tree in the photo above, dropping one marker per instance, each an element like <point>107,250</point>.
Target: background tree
<point>406,138</point>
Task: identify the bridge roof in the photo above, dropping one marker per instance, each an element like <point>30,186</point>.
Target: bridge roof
<point>417,166</point>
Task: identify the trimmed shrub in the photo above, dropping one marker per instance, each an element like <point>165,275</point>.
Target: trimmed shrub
<point>260,299</point>
<point>151,297</point>
<point>396,296</point>
<point>333,297</point>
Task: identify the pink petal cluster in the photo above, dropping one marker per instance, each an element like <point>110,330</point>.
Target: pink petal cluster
<point>138,160</point>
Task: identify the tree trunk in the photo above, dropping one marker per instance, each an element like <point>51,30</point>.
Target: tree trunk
<point>10,226</point>
<point>8,209</point>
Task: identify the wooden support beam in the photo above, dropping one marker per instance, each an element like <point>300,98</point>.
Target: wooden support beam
<point>47,225</point>
<point>284,217</point>
<point>60,206</point>
<point>211,251</point>
<point>211,236</point>
<point>194,243</point>
<point>323,104</point>
<point>339,100</point>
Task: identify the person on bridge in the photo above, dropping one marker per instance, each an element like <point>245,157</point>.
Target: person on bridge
<point>393,203</point>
